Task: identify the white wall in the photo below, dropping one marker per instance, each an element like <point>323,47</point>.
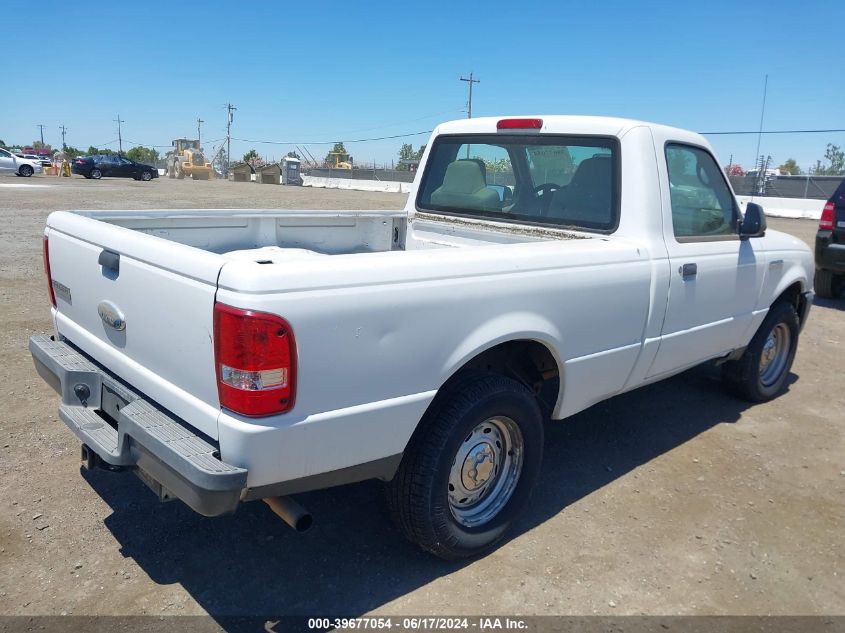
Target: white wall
<point>786,207</point>
<point>360,185</point>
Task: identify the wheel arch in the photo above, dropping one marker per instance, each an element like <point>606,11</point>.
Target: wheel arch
<point>531,355</point>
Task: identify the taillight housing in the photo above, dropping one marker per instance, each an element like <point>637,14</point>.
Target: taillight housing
<point>47,272</point>
<point>255,358</point>
<point>828,216</point>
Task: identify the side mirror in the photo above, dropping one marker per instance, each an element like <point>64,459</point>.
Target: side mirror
<point>753,223</point>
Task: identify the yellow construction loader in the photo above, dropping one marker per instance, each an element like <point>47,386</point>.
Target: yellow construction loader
<point>186,159</point>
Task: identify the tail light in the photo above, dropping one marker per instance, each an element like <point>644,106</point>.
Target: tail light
<point>255,355</point>
<point>519,124</point>
<point>47,272</point>
<point>828,213</point>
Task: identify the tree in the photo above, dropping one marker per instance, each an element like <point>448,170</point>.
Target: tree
<point>734,169</point>
<point>72,152</point>
<point>143,155</point>
<point>834,164</point>
<point>38,145</point>
<point>790,167</point>
<point>2,143</point>
<point>294,155</point>
<point>253,158</point>
<point>93,150</point>
<point>407,152</point>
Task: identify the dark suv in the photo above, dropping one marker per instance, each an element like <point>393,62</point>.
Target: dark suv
<point>830,246</point>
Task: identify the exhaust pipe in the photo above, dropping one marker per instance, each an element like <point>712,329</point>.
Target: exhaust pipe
<point>291,512</point>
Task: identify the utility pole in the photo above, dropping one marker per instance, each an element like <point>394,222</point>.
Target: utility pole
<point>470,81</point>
<point>119,136</point>
<point>64,131</point>
<point>41,127</point>
<point>231,111</point>
<point>199,135</point>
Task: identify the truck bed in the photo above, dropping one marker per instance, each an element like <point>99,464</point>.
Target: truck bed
<point>272,236</point>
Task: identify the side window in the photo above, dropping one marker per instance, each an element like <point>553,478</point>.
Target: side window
<point>702,204</point>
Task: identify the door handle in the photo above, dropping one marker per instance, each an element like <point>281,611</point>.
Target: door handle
<point>688,271</point>
<point>110,261</point>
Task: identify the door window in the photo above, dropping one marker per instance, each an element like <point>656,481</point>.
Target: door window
<point>702,204</point>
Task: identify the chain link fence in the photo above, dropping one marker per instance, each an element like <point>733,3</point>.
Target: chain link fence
<point>812,187</point>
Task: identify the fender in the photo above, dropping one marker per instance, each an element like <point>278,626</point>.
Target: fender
<point>504,328</point>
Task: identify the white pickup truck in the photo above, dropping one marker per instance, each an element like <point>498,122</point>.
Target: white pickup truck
<point>541,265</point>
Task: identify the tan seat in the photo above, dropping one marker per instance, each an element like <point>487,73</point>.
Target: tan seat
<point>465,187</point>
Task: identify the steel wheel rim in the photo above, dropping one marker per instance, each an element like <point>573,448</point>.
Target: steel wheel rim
<point>485,471</point>
<point>773,358</point>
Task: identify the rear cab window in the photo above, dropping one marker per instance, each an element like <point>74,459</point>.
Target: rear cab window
<point>551,180</point>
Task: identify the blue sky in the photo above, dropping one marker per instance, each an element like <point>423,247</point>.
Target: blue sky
<point>323,71</point>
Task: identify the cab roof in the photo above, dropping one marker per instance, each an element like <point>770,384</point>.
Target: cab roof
<point>571,124</point>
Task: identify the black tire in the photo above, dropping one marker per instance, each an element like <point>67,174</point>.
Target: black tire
<point>828,285</point>
<point>419,495</point>
<point>26,171</point>
<point>171,172</point>
<point>146,176</point>
<point>747,377</point>
<point>180,175</point>
<point>96,174</point>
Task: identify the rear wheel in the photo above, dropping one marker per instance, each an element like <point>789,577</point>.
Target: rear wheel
<point>470,467</point>
<point>26,171</point>
<point>828,284</point>
<point>760,374</point>
<point>96,174</point>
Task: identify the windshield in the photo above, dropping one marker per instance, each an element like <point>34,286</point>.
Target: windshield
<point>558,180</point>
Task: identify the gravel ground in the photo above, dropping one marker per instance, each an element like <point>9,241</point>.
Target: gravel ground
<point>674,499</point>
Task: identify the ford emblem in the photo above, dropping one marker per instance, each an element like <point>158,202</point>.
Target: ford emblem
<point>111,315</point>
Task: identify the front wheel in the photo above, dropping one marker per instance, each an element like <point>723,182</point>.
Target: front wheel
<point>760,374</point>
<point>26,171</point>
<point>96,174</point>
<point>146,176</point>
<point>470,467</point>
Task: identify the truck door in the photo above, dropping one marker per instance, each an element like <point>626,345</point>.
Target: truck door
<point>715,277</point>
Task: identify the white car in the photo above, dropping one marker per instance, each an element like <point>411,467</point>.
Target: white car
<point>541,265</point>
<point>13,164</point>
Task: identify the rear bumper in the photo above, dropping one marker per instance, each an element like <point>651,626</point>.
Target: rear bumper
<point>125,429</point>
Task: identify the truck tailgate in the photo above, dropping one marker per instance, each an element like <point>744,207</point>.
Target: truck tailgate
<point>141,306</point>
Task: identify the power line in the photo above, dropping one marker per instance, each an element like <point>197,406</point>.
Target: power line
<point>773,132</point>
<point>357,140</point>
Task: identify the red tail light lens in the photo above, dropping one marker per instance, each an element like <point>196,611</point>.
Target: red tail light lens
<point>828,216</point>
<point>47,272</point>
<point>519,124</point>
<point>255,357</point>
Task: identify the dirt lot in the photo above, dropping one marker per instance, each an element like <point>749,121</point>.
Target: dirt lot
<point>675,499</point>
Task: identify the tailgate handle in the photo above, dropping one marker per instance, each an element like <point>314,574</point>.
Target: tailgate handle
<point>110,260</point>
